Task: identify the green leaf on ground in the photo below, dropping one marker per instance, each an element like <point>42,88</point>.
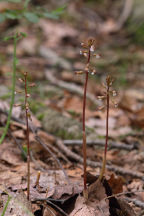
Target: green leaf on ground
<point>32,17</point>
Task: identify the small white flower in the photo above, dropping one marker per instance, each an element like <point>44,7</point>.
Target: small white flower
<point>81,52</point>
<point>92,48</point>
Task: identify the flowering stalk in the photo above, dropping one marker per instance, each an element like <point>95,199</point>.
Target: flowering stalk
<point>27,136</point>
<point>27,117</point>
<point>87,52</point>
<point>108,85</point>
<point>84,133</point>
<point>107,130</point>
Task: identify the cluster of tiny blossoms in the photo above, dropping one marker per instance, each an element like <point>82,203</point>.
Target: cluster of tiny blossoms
<point>25,91</point>
<point>108,91</point>
<point>88,50</point>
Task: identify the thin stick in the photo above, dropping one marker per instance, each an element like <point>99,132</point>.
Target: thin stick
<point>114,168</point>
<point>27,138</point>
<point>124,193</point>
<point>101,143</point>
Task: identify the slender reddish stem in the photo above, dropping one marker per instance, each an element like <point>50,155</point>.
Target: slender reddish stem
<point>107,123</point>
<point>27,139</point>
<point>107,133</point>
<point>84,133</point>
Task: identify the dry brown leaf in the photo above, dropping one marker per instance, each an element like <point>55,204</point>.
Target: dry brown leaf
<point>9,154</point>
<point>129,102</point>
<point>49,211</point>
<point>92,122</point>
<point>47,137</point>
<point>138,118</point>
<point>74,103</point>
<point>116,184</point>
<point>95,205</point>
<point>28,45</point>
<point>81,209</point>
<point>56,32</point>
<point>19,134</point>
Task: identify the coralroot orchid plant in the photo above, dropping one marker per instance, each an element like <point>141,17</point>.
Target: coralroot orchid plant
<point>87,51</point>
<point>27,117</point>
<point>107,96</point>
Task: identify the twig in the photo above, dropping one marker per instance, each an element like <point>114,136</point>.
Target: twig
<point>118,170</point>
<point>57,207</point>
<point>136,202</point>
<point>60,154</point>
<point>124,193</point>
<point>71,87</point>
<point>102,143</point>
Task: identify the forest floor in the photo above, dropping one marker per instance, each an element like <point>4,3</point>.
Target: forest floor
<point>51,54</point>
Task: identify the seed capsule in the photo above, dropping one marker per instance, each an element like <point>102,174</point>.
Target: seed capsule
<point>29,116</point>
<point>101,97</point>
<point>20,80</point>
<point>28,95</point>
<point>93,72</point>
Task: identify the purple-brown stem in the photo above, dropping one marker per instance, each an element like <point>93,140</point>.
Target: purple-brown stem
<point>107,132</point>
<point>27,138</point>
<point>84,133</point>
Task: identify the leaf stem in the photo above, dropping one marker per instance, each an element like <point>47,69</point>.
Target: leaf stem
<point>6,205</point>
<point>13,91</point>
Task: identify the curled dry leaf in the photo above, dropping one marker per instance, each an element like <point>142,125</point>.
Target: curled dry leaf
<point>116,184</point>
<point>96,204</point>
